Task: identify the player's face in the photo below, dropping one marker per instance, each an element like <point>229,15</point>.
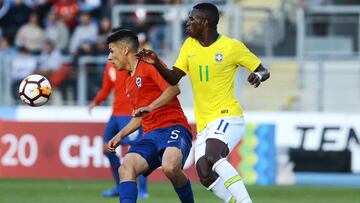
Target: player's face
<point>195,24</point>
<point>117,56</point>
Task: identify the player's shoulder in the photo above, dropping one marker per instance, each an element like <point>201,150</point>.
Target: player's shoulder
<point>190,41</point>
<point>145,68</point>
<point>234,44</point>
<point>143,64</point>
<point>231,41</point>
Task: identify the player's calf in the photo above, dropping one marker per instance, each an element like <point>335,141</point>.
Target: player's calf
<point>172,167</point>
<point>232,180</point>
<point>172,164</point>
<point>133,165</point>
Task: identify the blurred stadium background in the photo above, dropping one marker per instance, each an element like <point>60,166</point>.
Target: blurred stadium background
<point>303,125</point>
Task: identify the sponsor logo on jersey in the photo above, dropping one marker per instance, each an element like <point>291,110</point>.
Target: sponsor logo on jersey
<point>191,55</point>
<point>224,111</point>
<point>170,141</point>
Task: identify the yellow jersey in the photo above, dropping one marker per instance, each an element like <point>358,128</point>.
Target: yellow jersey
<point>212,72</point>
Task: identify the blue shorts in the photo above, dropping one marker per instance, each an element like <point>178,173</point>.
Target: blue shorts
<point>115,124</point>
<point>152,145</point>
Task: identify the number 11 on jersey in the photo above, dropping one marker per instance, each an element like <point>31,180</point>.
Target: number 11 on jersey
<point>206,70</point>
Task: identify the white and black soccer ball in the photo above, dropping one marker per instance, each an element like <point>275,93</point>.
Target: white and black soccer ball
<point>35,90</point>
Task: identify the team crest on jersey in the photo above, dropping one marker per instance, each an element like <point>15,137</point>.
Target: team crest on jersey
<point>138,81</point>
<point>219,57</point>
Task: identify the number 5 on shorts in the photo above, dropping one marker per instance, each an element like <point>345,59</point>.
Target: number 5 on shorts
<point>175,134</point>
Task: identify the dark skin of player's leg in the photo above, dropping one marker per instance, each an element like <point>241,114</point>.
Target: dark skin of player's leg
<point>214,151</point>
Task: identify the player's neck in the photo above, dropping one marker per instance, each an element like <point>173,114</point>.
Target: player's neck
<point>209,38</point>
<point>133,63</point>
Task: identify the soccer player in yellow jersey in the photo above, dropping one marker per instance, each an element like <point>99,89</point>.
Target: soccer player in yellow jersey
<point>211,61</point>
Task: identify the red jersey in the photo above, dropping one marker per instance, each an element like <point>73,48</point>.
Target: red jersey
<point>145,86</point>
<point>113,79</point>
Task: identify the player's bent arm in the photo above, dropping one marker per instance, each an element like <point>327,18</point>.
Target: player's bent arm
<point>168,95</point>
<point>171,76</point>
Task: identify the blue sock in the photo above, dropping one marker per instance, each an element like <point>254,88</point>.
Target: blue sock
<point>142,184</point>
<point>114,164</point>
<point>128,192</point>
<point>185,193</point>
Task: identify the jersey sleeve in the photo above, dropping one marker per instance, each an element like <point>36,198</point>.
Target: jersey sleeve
<point>158,79</point>
<point>106,87</point>
<point>244,57</point>
<point>182,60</point>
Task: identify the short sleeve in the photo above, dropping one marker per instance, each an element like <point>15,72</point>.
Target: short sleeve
<point>157,78</point>
<point>244,57</point>
<point>182,60</point>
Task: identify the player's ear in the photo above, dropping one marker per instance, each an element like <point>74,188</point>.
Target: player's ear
<point>126,50</point>
<point>205,22</point>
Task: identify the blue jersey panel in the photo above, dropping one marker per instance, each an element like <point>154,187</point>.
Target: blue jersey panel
<point>115,124</point>
<point>152,145</point>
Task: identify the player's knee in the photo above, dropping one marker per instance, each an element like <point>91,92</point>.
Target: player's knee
<point>169,169</point>
<point>206,175</point>
<point>212,158</point>
<point>206,180</point>
<point>126,171</point>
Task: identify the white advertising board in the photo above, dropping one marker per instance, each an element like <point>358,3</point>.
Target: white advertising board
<point>315,131</point>
<point>308,131</point>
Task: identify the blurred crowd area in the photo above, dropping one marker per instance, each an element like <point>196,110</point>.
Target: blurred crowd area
<point>49,36</point>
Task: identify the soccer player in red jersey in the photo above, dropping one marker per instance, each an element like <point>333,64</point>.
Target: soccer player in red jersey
<point>120,117</point>
<point>167,135</point>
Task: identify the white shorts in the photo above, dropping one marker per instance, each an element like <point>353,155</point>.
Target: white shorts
<point>229,130</point>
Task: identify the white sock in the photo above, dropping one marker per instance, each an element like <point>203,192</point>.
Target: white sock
<point>218,188</point>
<point>232,180</point>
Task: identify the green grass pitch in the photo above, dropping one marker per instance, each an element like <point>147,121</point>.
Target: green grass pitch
<point>60,191</point>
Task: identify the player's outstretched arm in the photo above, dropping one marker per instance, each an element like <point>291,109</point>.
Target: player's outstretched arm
<point>259,75</point>
<point>134,124</point>
<point>168,95</point>
<point>171,76</point>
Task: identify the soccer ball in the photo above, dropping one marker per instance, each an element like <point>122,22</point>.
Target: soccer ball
<point>35,90</point>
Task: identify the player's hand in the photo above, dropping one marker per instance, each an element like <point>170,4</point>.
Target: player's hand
<point>142,111</point>
<point>254,80</point>
<point>113,143</point>
<point>91,106</point>
<point>148,56</point>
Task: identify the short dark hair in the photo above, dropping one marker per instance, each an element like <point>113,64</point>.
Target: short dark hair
<point>210,11</point>
<point>119,34</point>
